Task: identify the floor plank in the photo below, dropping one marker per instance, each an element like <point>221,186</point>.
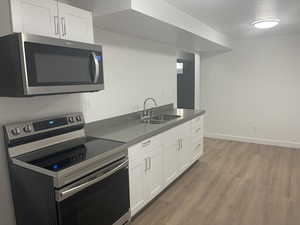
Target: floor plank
<point>234,183</point>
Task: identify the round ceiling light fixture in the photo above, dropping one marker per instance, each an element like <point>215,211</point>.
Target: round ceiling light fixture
<point>266,24</point>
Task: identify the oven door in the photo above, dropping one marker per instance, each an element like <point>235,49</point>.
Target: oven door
<point>53,66</point>
<point>101,198</point>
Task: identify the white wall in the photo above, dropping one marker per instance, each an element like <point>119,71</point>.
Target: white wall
<point>134,69</point>
<point>252,93</point>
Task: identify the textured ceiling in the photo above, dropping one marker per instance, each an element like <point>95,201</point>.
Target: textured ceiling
<point>234,17</point>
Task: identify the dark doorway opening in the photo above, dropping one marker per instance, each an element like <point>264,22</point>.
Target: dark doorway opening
<point>186,80</point>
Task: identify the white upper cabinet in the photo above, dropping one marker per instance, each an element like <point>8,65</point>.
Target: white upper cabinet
<point>53,19</point>
<point>35,16</point>
<point>75,24</point>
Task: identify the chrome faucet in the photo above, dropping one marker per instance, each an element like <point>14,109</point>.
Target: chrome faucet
<point>147,113</point>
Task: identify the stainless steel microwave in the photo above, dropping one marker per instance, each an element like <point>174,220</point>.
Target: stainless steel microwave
<point>34,65</point>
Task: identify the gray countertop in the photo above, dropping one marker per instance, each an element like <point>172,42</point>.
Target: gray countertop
<point>130,130</point>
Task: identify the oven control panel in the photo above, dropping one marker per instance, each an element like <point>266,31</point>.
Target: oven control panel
<point>29,128</point>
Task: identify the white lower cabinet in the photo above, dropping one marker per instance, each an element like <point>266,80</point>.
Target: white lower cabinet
<point>155,163</point>
<point>145,173</point>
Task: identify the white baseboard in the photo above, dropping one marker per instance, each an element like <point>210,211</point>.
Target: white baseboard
<point>279,143</point>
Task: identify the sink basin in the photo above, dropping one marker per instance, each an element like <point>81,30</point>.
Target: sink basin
<point>163,118</point>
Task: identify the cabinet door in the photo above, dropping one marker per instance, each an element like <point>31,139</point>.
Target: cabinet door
<point>137,170</point>
<point>36,17</point>
<point>144,166</point>
<point>185,155</point>
<point>137,188</point>
<point>170,161</point>
<point>154,174</point>
<point>185,150</point>
<point>76,24</point>
<point>170,145</point>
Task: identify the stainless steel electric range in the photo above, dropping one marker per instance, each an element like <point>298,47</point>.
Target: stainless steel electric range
<point>60,176</point>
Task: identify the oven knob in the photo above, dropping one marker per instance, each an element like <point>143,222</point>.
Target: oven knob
<point>16,131</point>
<point>27,128</point>
<point>71,119</point>
<point>78,118</point>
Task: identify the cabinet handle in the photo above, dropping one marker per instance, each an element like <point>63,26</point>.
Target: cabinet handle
<point>150,163</point>
<point>180,143</point>
<point>63,25</point>
<point>56,25</point>
<point>146,164</point>
<point>146,143</point>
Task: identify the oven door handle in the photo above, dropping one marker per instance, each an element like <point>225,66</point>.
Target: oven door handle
<point>64,194</point>
<point>96,65</point>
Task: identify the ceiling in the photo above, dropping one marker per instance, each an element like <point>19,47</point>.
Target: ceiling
<point>234,17</point>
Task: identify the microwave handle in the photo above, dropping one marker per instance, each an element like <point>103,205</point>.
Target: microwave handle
<point>96,64</point>
<point>62,195</point>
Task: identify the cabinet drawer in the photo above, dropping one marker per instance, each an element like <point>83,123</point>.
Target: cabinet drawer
<point>197,123</point>
<point>150,144</point>
<point>138,152</point>
<point>197,131</point>
<point>187,125</point>
<point>197,141</point>
<point>198,119</point>
<point>197,138</point>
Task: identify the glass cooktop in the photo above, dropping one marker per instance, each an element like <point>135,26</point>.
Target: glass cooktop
<point>62,156</point>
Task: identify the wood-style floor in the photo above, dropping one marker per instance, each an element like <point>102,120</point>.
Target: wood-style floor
<point>233,184</point>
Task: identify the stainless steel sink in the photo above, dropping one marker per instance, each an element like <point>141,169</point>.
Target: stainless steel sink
<point>163,118</point>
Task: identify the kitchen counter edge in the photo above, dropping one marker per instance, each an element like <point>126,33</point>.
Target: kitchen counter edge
<point>192,114</point>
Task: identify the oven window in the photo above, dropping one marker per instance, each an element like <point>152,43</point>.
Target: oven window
<point>54,65</point>
<point>103,203</point>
